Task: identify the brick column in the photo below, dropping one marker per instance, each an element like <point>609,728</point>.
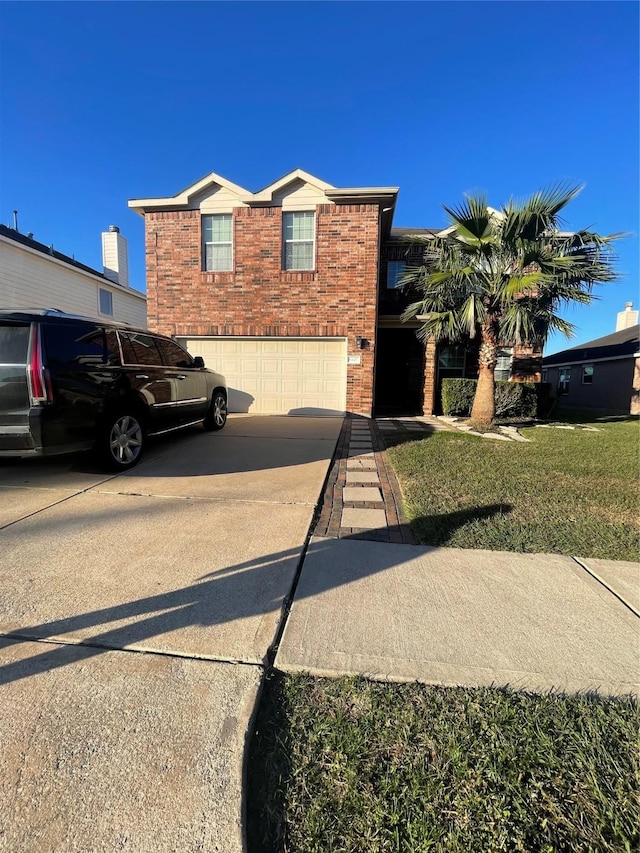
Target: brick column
<point>430,366</point>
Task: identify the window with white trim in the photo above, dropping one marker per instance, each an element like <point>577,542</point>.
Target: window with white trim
<point>587,374</point>
<point>298,240</point>
<point>452,357</point>
<point>564,379</point>
<point>395,271</point>
<point>217,242</point>
<point>105,302</point>
<point>502,373</point>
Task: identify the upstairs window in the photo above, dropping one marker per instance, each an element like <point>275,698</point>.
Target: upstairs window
<point>502,372</point>
<point>299,240</point>
<point>217,242</point>
<point>395,271</point>
<point>105,302</point>
<point>587,374</point>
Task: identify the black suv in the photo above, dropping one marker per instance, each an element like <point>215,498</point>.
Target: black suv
<point>72,383</point>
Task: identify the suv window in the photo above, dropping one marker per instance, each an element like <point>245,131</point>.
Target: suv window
<point>74,343</point>
<point>14,344</point>
<point>113,347</point>
<point>138,348</point>
<point>172,354</point>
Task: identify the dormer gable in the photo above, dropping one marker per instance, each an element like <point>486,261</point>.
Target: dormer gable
<point>297,190</point>
<point>196,196</point>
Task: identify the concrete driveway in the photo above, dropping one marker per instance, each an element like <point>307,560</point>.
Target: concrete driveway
<point>189,556</point>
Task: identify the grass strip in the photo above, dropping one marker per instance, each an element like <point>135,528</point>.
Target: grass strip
<point>573,492</point>
<point>351,765</point>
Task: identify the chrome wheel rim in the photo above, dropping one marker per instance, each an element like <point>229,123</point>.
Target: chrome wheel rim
<point>125,441</point>
<point>219,410</point>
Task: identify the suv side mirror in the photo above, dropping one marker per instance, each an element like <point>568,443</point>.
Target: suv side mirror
<point>198,361</point>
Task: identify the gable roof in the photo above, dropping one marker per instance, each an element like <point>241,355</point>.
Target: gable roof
<point>183,198</point>
<point>30,243</point>
<point>267,193</point>
<point>380,195</point>
<point>624,343</point>
<point>50,252</point>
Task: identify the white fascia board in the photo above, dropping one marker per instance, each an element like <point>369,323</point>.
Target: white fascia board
<point>363,191</point>
<point>182,199</point>
<point>103,282</point>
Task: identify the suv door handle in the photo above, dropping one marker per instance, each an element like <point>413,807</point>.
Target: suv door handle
<point>141,376</point>
<point>181,376</point>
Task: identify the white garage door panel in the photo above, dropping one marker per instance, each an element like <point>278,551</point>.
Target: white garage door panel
<point>279,375</point>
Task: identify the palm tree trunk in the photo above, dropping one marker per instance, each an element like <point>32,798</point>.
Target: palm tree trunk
<point>484,402</point>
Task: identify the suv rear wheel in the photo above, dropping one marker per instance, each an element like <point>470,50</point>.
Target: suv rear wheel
<point>122,441</point>
<point>217,415</point>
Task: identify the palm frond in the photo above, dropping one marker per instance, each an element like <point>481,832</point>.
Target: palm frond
<point>517,286</point>
<point>472,220</point>
<point>472,314</point>
<point>538,214</point>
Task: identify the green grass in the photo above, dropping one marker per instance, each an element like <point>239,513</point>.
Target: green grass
<point>349,765</point>
<point>567,491</point>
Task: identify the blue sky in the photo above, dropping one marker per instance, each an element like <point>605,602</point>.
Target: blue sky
<point>103,102</point>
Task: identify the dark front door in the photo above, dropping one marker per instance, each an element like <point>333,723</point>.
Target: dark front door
<point>400,363</point>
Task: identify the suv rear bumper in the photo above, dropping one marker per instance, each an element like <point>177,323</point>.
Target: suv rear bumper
<point>16,443</point>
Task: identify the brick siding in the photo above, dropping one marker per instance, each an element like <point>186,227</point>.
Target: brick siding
<point>259,298</point>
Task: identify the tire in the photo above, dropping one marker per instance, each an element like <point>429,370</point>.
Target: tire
<point>122,441</point>
<point>217,415</point>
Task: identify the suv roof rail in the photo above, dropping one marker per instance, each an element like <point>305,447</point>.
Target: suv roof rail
<point>57,312</point>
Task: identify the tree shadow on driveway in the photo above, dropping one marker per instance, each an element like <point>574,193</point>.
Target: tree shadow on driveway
<point>196,620</point>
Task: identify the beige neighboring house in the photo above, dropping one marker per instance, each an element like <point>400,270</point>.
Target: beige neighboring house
<point>34,275</point>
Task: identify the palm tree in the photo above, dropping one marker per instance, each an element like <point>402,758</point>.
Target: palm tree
<point>503,275</point>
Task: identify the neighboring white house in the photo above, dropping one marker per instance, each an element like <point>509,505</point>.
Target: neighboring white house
<point>33,275</point>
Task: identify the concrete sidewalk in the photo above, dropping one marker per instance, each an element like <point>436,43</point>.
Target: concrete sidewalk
<point>371,602</point>
<point>463,617</point>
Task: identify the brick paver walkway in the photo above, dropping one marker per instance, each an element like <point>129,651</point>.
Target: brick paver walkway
<point>362,498</point>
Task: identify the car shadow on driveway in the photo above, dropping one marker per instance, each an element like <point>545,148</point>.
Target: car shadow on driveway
<point>248,444</point>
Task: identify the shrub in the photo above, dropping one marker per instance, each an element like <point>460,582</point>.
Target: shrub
<point>457,396</point>
<point>513,399</point>
<point>516,400</point>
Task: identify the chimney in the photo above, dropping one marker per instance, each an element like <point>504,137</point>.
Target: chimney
<point>626,318</point>
<point>115,260</point>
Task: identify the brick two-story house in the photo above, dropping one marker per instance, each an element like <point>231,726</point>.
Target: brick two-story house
<point>290,292</point>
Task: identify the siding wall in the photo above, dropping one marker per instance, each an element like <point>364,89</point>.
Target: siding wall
<point>611,389</point>
<point>29,279</point>
<point>337,299</point>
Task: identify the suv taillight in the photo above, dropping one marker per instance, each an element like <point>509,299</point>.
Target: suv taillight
<point>39,389</point>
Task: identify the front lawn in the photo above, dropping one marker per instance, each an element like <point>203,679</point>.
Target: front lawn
<point>350,765</point>
<point>568,491</point>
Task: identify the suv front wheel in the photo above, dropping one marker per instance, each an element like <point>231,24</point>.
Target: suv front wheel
<point>122,441</point>
<point>217,415</point>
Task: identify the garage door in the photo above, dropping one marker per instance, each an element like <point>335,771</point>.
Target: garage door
<point>291,376</point>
